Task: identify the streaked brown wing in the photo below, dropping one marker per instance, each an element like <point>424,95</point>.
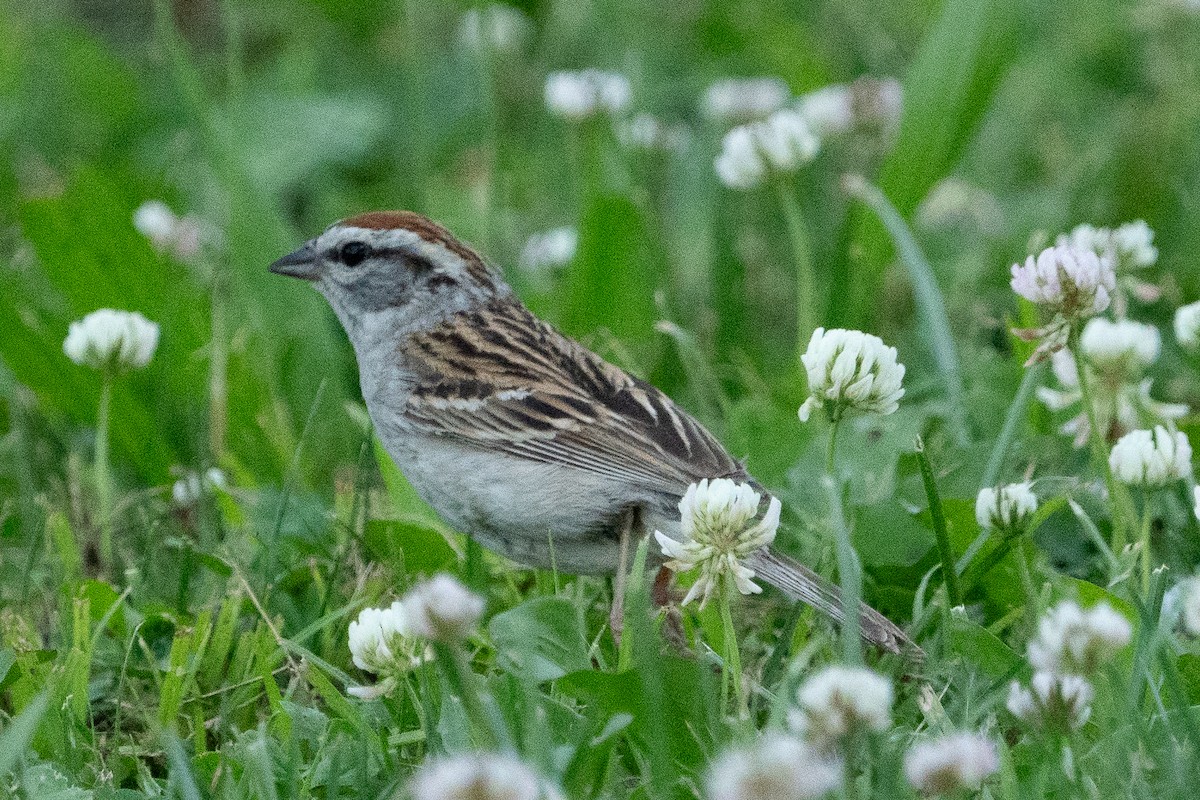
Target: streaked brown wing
<point>541,396</point>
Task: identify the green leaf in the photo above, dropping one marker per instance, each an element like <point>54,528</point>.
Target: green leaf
<point>16,737</point>
<point>541,639</point>
<point>978,646</point>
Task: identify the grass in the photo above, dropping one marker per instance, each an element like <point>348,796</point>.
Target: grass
<point>206,655</point>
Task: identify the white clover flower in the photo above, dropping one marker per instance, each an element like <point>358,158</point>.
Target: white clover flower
<point>1073,641</point>
<point>1129,246</point>
<point>648,132</point>
<point>879,100</point>
<point>838,701</point>
<point>1123,348</point>
<point>1071,282</point>
<point>498,27</point>
<point>951,763</point>
<point>829,111</point>
<point>1006,507</point>
<point>717,530</point>
<point>168,232</point>
<point>776,767</point>
<point>851,370</point>
<point>552,248</point>
<point>186,491</point>
<point>1122,403</point>
<point>954,202</point>
<point>578,95</point>
<point>480,776</point>
<point>744,99</point>
<point>116,341</point>
<point>1054,702</point>
<point>780,144</point>
<point>1187,325</point>
<point>377,637</point>
<point>1151,458</point>
<point>442,609</point>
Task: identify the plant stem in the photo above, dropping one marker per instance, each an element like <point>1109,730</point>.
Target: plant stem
<point>733,658</point>
<point>103,476</point>
<point>835,422</point>
<point>462,682</point>
<point>849,574</point>
<point>949,571</point>
<point>1096,439</point>
<point>1145,540</point>
<point>218,367</point>
<point>807,317</point>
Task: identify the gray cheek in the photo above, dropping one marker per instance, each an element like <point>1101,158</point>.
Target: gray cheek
<point>375,291</point>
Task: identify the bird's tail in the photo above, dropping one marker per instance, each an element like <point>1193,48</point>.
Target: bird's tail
<point>801,583</point>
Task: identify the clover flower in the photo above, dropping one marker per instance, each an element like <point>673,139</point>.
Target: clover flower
<point>1121,348</point>
<point>552,248</point>
<point>1005,508</point>
<point>442,609</point>
<point>480,776</point>
<point>648,132</point>
<point>778,145</point>
<point>735,100</point>
<point>182,237</point>
<point>1123,402</point>
<point>829,111</point>
<point>1060,703</point>
<point>498,27</point>
<point>951,763</point>
<point>776,767</point>
<point>1187,325</point>
<point>186,491</point>
<point>579,95</point>
<point>717,530</point>
<point>838,701</point>
<point>381,643</point>
<point>1073,641</point>
<point>851,370</point>
<point>1151,458</point>
<point>1071,283</point>
<point>1128,246</point>
<point>112,341</point>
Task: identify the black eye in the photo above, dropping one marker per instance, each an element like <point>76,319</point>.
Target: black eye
<point>352,253</point>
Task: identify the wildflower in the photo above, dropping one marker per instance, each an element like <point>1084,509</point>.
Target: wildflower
<point>1071,283</point>
<point>1129,246</point>
<point>498,27</point>
<point>168,232</point>
<point>552,248</point>
<point>1123,403</point>
<point>1187,325</point>
<point>828,111</point>
<point>780,144</point>
<point>1054,702</point>
<point>951,763</point>
<point>1123,348</point>
<point>735,100</point>
<point>579,95</point>
<point>851,370</point>
<point>380,643</point>
<point>955,202</point>
<point>480,776</point>
<point>1151,458</point>
<point>442,609</point>
<point>1006,508</point>
<point>777,767</point>
<point>186,491</point>
<point>647,132</point>
<point>1071,640</point>
<point>112,341</point>
<point>717,530</point>
<point>838,701</point>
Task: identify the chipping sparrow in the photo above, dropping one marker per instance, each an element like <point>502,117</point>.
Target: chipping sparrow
<point>515,434</point>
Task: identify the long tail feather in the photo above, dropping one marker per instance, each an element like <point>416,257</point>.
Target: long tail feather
<point>801,583</point>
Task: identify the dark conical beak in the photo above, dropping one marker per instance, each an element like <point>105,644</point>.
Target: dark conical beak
<point>300,264</point>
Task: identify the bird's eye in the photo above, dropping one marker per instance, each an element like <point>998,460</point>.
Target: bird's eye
<point>352,253</point>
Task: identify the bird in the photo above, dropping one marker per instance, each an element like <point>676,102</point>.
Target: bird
<point>514,433</point>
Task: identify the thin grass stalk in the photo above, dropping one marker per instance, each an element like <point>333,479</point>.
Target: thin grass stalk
<point>930,302</point>
<point>849,573</point>
<point>103,471</point>
<point>949,570</point>
<point>807,314</point>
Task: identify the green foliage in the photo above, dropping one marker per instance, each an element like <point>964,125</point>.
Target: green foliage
<point>209,658</point>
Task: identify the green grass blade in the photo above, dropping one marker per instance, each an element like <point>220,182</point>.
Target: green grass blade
<point>15,740</point>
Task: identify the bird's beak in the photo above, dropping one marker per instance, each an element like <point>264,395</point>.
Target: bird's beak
<point>300,264</point>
